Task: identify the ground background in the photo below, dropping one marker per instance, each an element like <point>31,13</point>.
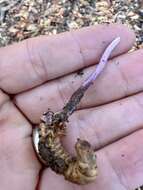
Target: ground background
<point>21,19</point>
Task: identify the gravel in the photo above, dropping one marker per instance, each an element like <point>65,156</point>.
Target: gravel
<point>21,19</point>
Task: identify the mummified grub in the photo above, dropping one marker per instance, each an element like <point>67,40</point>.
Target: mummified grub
<point>81,169</point>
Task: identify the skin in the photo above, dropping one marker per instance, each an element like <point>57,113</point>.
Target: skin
<point>40,73</point>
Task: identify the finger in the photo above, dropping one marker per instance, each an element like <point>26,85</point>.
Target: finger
<point>34,61</point>
<point>122,77</point>
<point>120,166</point>
<point>105,124</point>
<point>18,163</point>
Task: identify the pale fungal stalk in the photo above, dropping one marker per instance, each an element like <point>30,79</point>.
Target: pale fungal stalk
<point>72,104</point>
<point>102,63</point>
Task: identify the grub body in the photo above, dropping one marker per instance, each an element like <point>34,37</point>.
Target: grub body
<point>81,169</point>
<point>51,150</point>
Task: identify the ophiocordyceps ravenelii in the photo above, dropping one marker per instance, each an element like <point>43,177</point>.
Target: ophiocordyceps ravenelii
<point>82,168</point>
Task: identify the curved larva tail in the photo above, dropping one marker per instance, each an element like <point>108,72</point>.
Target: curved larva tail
<point>83,169</point>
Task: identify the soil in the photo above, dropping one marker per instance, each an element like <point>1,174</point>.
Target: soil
<point>21,19</point>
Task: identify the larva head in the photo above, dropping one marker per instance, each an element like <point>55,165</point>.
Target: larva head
<point>86,158</point>
<point>84,150</point>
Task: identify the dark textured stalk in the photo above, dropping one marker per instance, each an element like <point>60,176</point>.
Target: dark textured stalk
<point>76,97</point>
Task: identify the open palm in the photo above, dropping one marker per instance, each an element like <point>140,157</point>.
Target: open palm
<point>41,73</point>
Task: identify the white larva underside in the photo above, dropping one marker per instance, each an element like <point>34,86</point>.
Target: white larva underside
<point>35,137</point>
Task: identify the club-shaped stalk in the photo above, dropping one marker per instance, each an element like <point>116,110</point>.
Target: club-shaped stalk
<point>76,97</point>
<point>102,63</point>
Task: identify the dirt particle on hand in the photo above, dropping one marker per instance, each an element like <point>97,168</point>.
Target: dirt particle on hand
<point>80,72</point>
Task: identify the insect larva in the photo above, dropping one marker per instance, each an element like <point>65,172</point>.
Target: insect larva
<point>80,169</point>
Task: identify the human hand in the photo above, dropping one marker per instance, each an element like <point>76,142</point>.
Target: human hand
<point>40,73</point>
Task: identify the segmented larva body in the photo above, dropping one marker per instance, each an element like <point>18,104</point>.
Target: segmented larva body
<point>51,149</point>
<point>80,169</point>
